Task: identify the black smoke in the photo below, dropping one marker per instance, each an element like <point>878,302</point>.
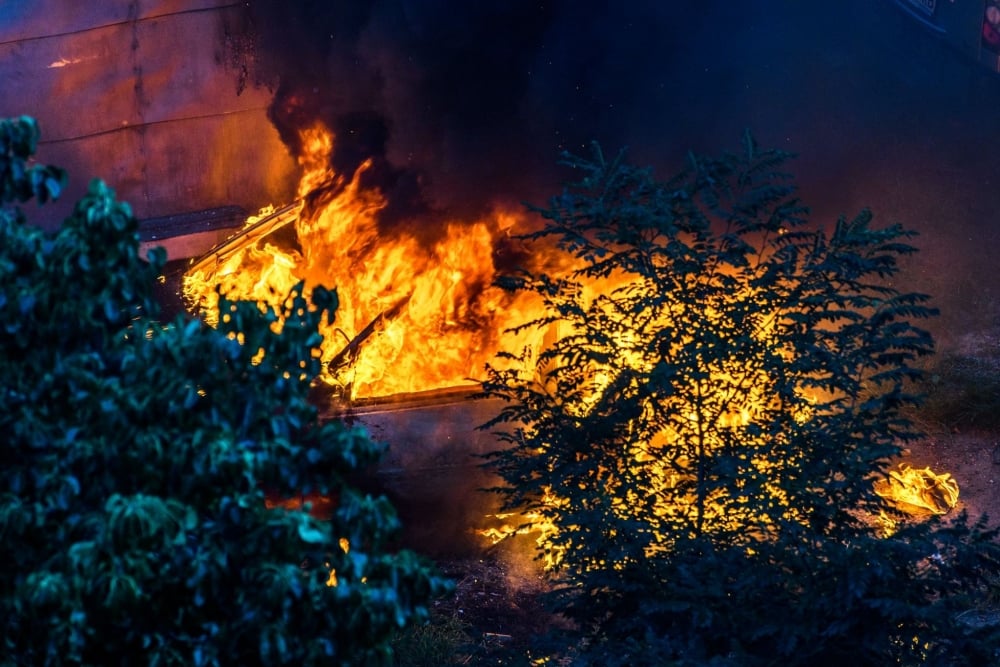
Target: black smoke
<point>432,92</point>
<point>462,104</point>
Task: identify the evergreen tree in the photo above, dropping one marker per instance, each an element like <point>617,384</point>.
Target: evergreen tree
<point>135,454</point>
<point>699,441</point>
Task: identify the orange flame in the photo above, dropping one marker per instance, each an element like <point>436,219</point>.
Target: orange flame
<point>414,316</point>
<point>919,491</point>
<point>417,315</point>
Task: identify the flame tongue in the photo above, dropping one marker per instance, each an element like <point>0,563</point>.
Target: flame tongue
<point>347,356</point>
<point>414,315</point>
<point>417,315</point>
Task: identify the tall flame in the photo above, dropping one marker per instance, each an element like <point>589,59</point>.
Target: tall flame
<point>413,316</point>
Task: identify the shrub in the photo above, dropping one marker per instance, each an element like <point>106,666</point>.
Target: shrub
<point>699,441</point>
<point>133,527</point>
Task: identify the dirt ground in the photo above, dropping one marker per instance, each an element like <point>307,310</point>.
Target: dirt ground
<point>497,606</point>
<point>973,460</point>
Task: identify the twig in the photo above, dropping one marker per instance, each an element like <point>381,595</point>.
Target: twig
<point>351,349</point>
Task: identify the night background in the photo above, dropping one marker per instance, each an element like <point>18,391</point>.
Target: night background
<point>471,103</point>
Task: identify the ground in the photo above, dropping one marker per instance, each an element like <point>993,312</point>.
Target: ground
<point>972,458</point>
<point>492,617</point>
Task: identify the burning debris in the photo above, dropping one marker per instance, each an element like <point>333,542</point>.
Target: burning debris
<point>419,310</point>
<point>919,492</point>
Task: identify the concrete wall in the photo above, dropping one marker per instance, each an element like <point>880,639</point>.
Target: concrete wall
<point>154,96</point>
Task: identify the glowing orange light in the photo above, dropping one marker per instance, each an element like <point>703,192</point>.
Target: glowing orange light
<point>420,312</point>
<point>414,314</point>
<point>919,491</point>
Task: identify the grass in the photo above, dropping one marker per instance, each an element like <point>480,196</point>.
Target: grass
<point>444,640</point>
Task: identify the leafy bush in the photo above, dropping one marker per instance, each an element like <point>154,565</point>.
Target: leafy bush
<point>133,527</point>
<point>699,441</point>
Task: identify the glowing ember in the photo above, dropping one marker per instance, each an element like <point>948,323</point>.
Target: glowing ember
<point>919,491</point>
<point>414,315</point>
<point>331,580</point>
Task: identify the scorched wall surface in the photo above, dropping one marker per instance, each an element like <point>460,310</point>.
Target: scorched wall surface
<point>156,97</point>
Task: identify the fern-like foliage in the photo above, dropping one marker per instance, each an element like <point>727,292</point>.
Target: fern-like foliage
<point>699,440</point>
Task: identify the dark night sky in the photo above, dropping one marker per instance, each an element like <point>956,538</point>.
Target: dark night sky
<point>471,102</point>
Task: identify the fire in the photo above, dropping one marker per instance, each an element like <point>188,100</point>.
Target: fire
<point>420,312</point>
<point>414,315</point>
<point>919,491</point>
<point>733,397</point>
<point>508,524</point>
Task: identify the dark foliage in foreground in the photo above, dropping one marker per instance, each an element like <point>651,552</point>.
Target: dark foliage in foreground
<point>134,459</point>
<point>700,438</point>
